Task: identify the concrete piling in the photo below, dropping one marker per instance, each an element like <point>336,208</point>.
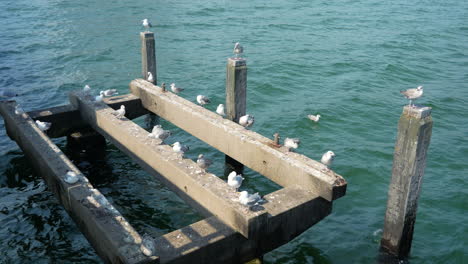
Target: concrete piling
<point>236,101</point>
<point>414,135</point>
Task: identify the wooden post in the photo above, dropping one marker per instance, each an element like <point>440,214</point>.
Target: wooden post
<point>148,64</point>
<point>236,101</point>
<point>414,135</point>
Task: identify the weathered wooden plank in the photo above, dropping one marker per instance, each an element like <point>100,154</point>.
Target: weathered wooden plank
<point>291,210</point>
<point>104,227</point>
<point>66,119</point>
<point>148,55</point>
<point>409,162</point>
<point>236,101</point>
<point>203,190</point>
<point>249,148</point>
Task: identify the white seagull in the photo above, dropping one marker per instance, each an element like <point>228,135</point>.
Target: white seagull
<point>99,97</point>
<point>314,118</point>
<point>71,177</point>
<point>19,110</point>
<point>220,110</point>
<point>146,24</point>
<point>246,121</point>
<point>176,89</point>
<point>249,199</point>
<point>110,92</point>
<point>150,77</point>
<point>203,162</point>
<point>291,143</point>
<point>413,94</point>
<point>179,148</point>
<point>203,100</point>
<point>43,126</point>
<point>86,89</point>
<point>235,180</point>
<point>160,133</point>
<point>327,159</point>
<point>238,50</point>
<point>120,113</point>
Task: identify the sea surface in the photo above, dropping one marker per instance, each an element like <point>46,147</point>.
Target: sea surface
<point>346,60</point>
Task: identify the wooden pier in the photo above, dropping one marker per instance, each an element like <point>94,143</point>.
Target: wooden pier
<point>231,232</point>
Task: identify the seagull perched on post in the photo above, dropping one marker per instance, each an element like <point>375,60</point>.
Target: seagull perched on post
<point>238,50</point>
<point>413,94</point>
<point>19,110</point>
<point>291,143</point>
<point>249,199</point>
<point>220,110</point>
<point>43,126</point>
<point>99,97</point>
<point>177,89</point>
<point>314,118</point>
<point>110,92</point>
<point>120,113</point>
<point>146,24</point>
<point>202,100</point>
<point>86,89</point>
<point>327,159</point>
<point>203,162</point>
<point>71,177</point>
<point>235,180</point>
<point>246,121</point>
<point>179,148</point>
<point>150,77</point>
<point>160,133</point>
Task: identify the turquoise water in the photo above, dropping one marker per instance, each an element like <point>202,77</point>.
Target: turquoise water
<point>346,60</point>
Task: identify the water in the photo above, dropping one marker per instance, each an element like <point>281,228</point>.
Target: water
<point>346,60</point>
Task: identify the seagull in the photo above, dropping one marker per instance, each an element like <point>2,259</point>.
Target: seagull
<point>291,143</point>
<point>179,148</point>
<point>150,77</point>
<point>220,110</point>
<point>19,110</point>
<point>235,180</point>
<point>314,118</point>
<point>203,163</point>
<point>7,93</point>
<point>43,126</point>
<point>120,113</point>
<point>327,159</point>
<point>413,94</point>
<point>238,50</point>
<point>246,121</point>
<point>99,97</point>
<point>110,92</point>
<point>71,177</point>
<point>86,89</point>
<point>177,89</point>
<point>248,199</point>
<point>146,24</point>
<point>202,100</point>
<point>159,132</point>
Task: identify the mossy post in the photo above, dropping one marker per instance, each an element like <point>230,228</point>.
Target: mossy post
<point>409,162</point>
<point>236,101</point>
<point>148,64</point>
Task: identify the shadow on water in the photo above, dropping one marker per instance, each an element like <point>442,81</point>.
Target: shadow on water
<point>385,258</point>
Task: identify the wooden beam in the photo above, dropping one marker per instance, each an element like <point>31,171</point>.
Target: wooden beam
<point>202,190</point>
<point>249,148</point>
<point>66,119</point>
<point>114,240</point>
<point>409,162</point>
<point>211,241</point>
<point>236,102</point>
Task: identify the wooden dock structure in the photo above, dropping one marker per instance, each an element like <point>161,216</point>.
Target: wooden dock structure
<point>231,232</point>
